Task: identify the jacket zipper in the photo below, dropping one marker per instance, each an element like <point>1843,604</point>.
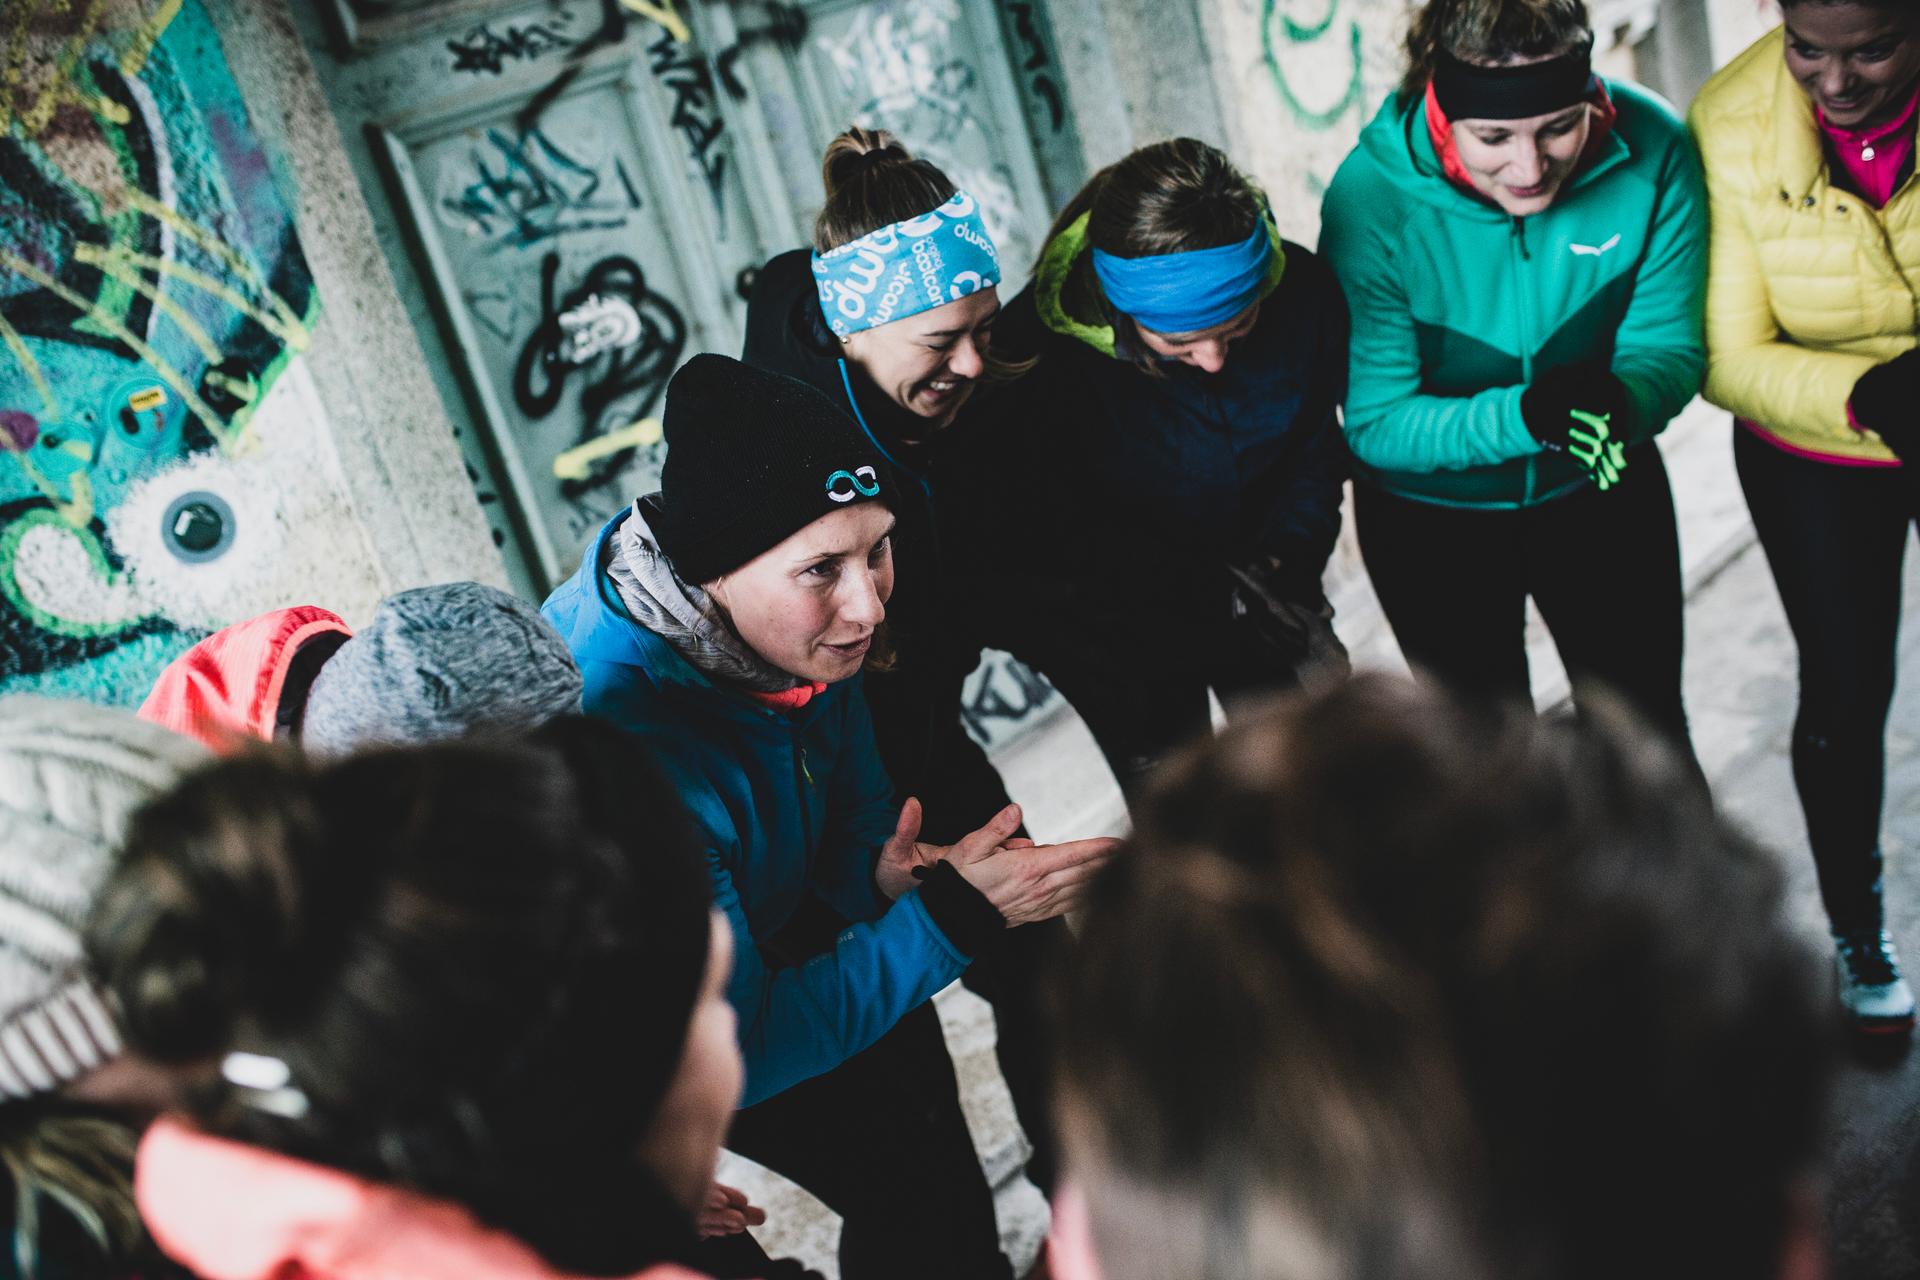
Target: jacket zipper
<point>1524,311</point>
<point>803,785</point>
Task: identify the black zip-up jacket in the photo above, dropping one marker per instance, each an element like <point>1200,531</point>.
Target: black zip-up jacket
<point>915,704</point>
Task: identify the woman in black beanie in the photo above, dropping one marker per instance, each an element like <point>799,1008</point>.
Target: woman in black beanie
<point>726,620</point>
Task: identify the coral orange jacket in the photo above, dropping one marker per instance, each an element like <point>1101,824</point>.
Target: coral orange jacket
<point>227,1211</point>
<point>227,689</point>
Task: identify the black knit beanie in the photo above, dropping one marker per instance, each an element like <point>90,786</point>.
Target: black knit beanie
<point>752,458</point>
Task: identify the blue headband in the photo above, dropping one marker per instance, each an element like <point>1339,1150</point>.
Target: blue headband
<point>1187,292</point>
<point>907,267</point>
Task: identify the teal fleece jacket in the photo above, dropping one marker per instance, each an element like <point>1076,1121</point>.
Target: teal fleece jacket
<point>1457,305</point>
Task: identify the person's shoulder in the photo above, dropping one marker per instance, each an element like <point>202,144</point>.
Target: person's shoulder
<point>1370,172</point>
<point>783,272</point>
<point>784,333</point>
<point>1307,272</point>
<point>1743,89</point>
<point>1644,118</point>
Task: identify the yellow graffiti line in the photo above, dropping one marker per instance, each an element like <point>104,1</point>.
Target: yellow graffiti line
<point>134,61</point>
<point>15,65</point>
<point>294,335</point>
<point>61,90</point>
<point>220,249</point>
<point>34,373</point>
<point>166,372</point>
<point>662,13</point>
<point>572,465</point>
<point>138,283</point>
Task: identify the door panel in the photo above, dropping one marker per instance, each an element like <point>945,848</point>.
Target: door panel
<point>569,269</point>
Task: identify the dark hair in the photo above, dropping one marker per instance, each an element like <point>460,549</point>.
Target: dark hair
<point>871,182</point>
<point>1169,197</point>
<point>1376,965</point>
<point>455,949</point>
<point>1490,32</point>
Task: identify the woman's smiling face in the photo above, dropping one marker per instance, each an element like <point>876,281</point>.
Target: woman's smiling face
<point>1858,62</point>
<point>928,363</point>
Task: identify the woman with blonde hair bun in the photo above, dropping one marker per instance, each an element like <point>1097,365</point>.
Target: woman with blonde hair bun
<point>890,314</point>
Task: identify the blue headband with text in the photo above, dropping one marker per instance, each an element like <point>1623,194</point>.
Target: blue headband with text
<point>907,267</point>
<point>1191,291</point>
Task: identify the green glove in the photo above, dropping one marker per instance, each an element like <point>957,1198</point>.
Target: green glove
<point>1573,409</point>
<point>1591,443</point>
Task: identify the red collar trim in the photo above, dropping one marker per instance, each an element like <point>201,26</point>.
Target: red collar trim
<point>1440,132</point>
<point>790,699</point>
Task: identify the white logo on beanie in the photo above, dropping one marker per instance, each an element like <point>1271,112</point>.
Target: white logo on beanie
<point>863,481</point>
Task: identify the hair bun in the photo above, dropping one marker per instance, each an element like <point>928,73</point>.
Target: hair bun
<point>856,155</point>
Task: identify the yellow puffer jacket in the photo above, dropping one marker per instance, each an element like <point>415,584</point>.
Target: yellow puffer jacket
<point>1808,286</point>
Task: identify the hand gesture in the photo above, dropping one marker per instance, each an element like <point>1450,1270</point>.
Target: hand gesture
<point>726,1212</point>
<point>1024,881</point>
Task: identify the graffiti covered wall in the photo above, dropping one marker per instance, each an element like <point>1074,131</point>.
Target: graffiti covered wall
<point>1298,79</point>
<point>158,475</point>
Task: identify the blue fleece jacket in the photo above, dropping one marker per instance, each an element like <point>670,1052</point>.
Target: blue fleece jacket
<point>790,804</point>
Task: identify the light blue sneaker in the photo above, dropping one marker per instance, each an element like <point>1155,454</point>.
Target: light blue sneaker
<point>1877,998</point>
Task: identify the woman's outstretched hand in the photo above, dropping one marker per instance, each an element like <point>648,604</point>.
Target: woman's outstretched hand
<point>1024,881</point>
<point>727,1213</point>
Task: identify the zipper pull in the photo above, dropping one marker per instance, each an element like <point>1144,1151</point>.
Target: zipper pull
<point>1520,235</point>
<point>804,771</point>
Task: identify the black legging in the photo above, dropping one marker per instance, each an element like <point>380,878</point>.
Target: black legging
<point>882,1141</point>
<point>1604,568</point>
<point>1836,538</point>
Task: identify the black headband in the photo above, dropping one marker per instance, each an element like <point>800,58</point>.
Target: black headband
<point>1468,91</point>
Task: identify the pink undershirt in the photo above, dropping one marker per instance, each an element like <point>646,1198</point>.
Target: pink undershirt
<point>1890,145</point>
<point>1875,180</point>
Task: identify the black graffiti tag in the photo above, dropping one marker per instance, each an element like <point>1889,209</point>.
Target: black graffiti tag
<point>1029,693</point>
<point>786,29</point>
<point>621,376</point>
<point>695,113</point>
<point>1037,63</point>
<point>485,50</point>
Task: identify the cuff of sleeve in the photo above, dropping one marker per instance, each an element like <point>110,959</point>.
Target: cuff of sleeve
<point>1517,441</point>
<point>959,910</point>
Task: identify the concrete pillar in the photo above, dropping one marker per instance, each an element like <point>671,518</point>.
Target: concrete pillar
<point>402,469</point>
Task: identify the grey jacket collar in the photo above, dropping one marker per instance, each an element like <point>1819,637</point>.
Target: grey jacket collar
<point>682,614</point>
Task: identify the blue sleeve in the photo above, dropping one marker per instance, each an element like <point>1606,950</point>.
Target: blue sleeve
<point>1390,423</point>
<point>797,1023</point>
<point>1660,349</point>
<point>860,816</point>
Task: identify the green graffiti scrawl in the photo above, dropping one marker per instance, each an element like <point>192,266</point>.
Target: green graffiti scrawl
<point>1295,33</point>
